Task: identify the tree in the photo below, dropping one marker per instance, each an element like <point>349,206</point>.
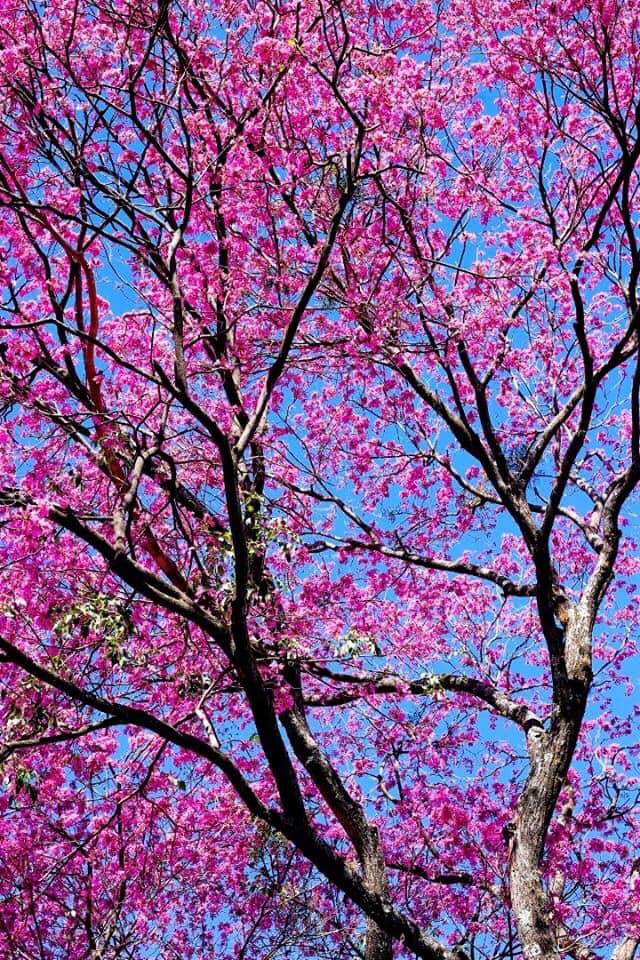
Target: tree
<point>320,444</point>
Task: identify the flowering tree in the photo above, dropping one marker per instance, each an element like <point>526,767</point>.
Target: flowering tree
<point>321,430</point>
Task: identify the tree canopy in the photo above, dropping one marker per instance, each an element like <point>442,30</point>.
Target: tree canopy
<point>320,446</point>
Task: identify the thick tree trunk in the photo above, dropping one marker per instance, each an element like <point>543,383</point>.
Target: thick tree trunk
<point>529,903</point>
<point>379,945</point>
<point>550,755</point>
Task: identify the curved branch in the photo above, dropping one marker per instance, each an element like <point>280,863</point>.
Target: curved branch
<point>428,685</point>
<point>509,587</point>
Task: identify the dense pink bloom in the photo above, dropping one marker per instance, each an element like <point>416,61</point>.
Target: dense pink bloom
<point>320,439</point>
